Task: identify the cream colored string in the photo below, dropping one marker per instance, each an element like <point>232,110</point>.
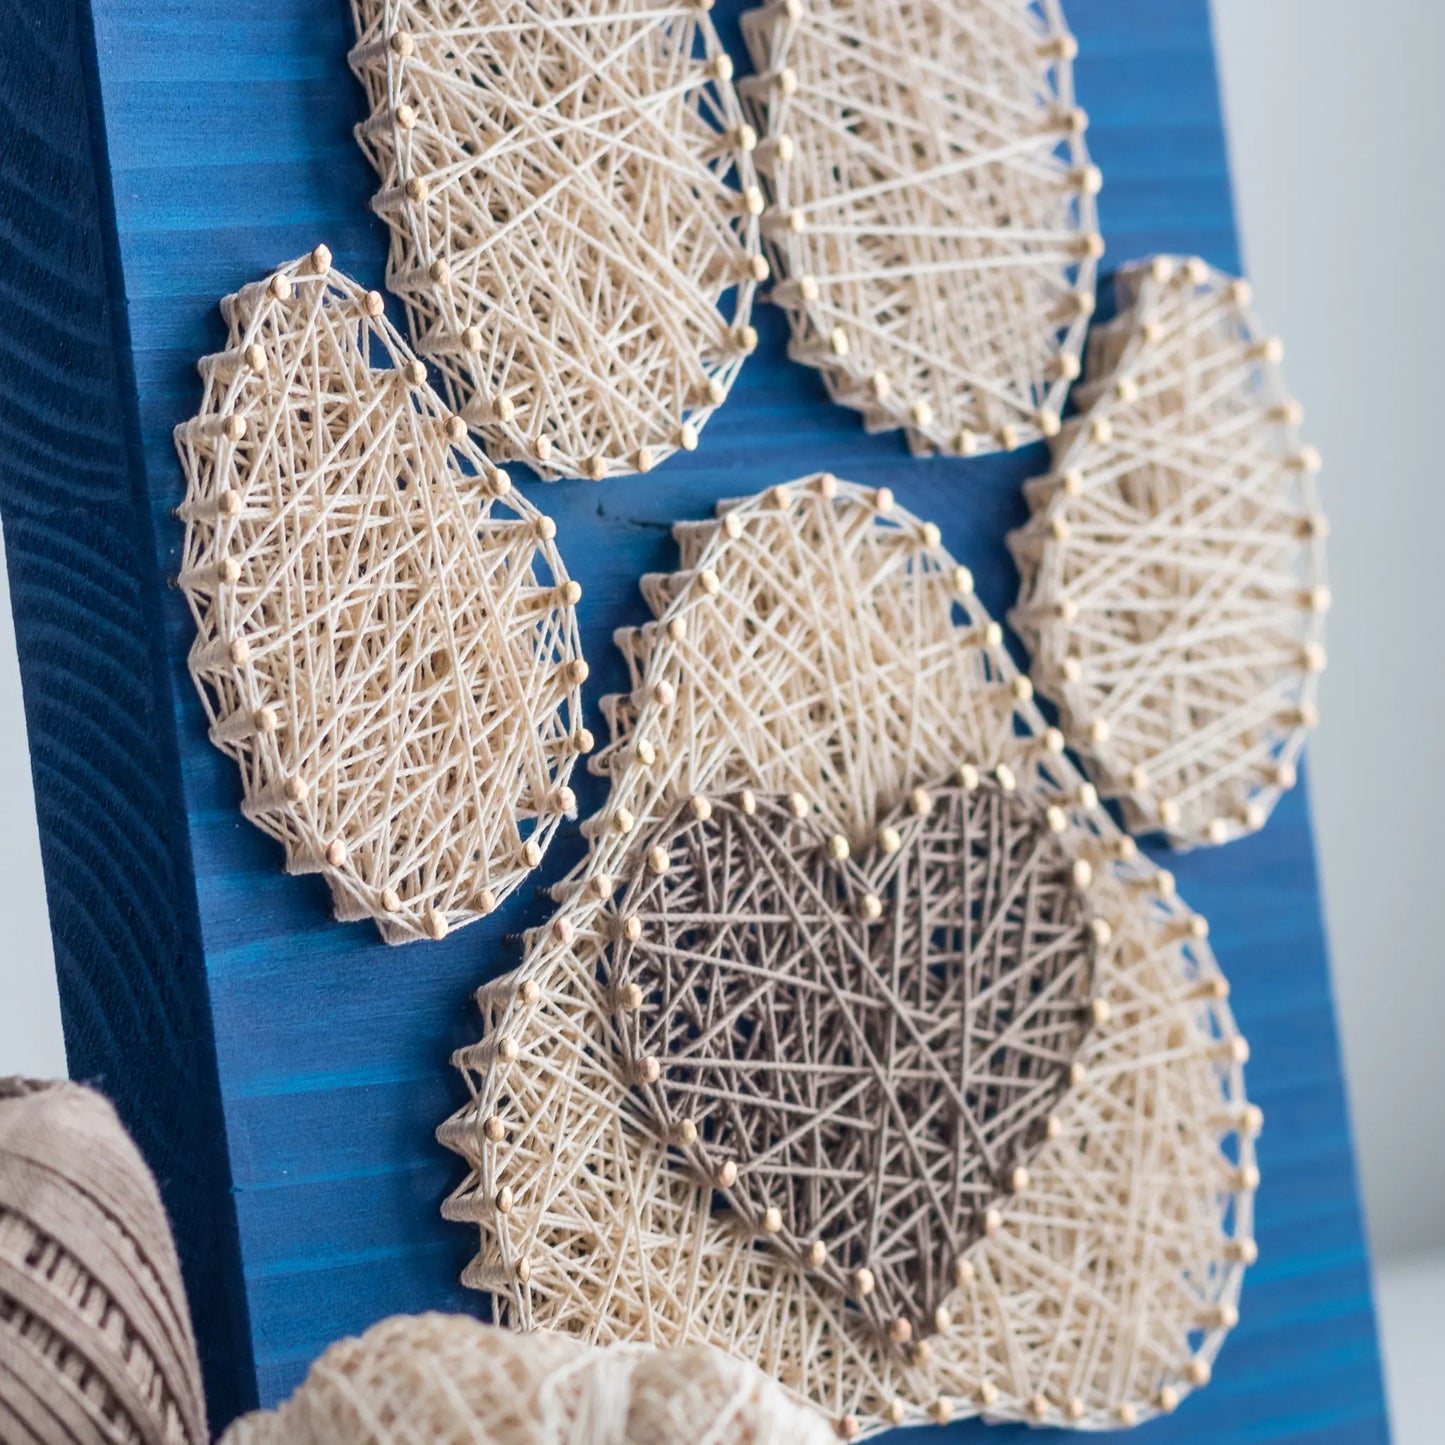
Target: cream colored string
<point>818,640</point>
<point>448,1380</point>
<point>574,218</point>
<point>933,220</point>
<point>1174,584</point>
<point>386,636</point>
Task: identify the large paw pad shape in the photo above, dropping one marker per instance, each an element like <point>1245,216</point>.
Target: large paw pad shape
<point>862,1044</point>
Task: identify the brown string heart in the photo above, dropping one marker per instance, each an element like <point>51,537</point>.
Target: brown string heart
<point>858,1053</point>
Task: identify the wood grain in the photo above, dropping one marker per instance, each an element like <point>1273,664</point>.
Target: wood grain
<point>229,150</point>
<point>98,708</point>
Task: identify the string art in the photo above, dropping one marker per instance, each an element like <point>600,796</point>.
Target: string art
<point>1173,570</point>
<point>825,1070</point>
<point>386,636</point>
<point>574,218</point>
<point>448,1380</point>
<point>847,880</point>
<point>933,221</point>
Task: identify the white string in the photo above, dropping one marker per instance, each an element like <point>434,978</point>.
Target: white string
<point>818,640</point>
<point>386,637</point>
<point>1173,571</point>
<point>448,1380</point>
<point>574,218</point>
<point>933,219</point>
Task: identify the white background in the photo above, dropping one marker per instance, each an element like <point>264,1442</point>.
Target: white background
<point>1335,110</point>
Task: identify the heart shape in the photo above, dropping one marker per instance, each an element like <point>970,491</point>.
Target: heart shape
<point>861,1055</point>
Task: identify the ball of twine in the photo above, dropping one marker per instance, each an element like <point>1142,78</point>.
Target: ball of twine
<point>698,1393</point>
<point>95,1338</point>
<point>449,1380</point>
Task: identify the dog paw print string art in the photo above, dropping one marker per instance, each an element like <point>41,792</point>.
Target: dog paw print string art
<point>933,219</point>
<point>386,636</point>
<point>1173,570</point>
<point>862,1044</point>
<point>574,218</point>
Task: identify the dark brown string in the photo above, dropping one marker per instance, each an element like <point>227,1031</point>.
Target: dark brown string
<point>877,1081</point>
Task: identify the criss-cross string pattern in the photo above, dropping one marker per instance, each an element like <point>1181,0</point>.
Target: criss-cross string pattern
<point>386,637</point>
<point>574,217</point>
<point>871,1049</point>
<point>820,664</point>
<point>1173,569</point>
<point>933,220</point>
<point>819,641</point>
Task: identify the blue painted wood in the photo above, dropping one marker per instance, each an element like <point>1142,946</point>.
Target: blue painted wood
<point>98,702</point>
<point>230,150</point>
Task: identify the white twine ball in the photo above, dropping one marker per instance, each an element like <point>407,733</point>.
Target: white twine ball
<point>449,1380</point>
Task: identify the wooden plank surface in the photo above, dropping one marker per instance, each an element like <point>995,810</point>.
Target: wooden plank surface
<point>98,701</point>
<point>230,150</point>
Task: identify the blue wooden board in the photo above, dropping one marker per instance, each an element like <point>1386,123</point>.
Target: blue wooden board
<point>226,149</point>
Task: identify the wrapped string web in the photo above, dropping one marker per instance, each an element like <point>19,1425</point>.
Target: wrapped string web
<point>933,220</point>
<point>826,780</point>
<point>1173,571</point>
<point>386,636</point>
<point>875,1045</point>
<point>574,218</point>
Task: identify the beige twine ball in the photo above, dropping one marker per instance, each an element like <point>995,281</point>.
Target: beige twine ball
<point>699,1395</point>
<point>95,1337</point>
<point>449,1380</point>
